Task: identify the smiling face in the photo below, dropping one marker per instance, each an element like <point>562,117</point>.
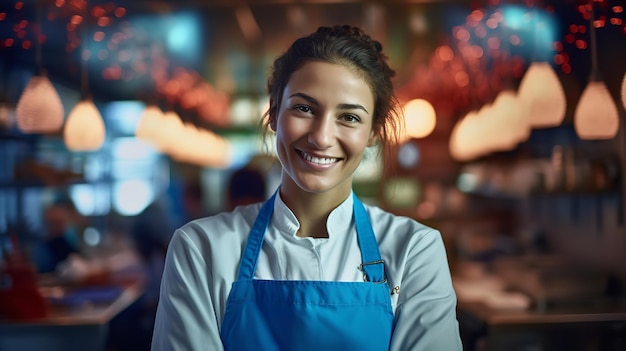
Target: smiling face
<point>323,125</point>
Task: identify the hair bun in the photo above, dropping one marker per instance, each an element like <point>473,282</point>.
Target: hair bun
<point>378,46</point>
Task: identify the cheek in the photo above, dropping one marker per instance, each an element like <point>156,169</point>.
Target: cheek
<point>359,142</point>
<point>285,135</point>
<point>290,128</point>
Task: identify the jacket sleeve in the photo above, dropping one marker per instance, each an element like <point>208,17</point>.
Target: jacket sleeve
<point>186,318</point>
<point>425,317</point>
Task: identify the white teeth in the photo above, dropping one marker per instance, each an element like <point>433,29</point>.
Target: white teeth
<point>318,160</point>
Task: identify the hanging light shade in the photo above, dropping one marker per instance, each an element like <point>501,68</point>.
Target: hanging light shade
<point>420,119</point>
<point>39,109</point>
<point>214,150</point>
<point>203,148</point>
<point>511,123</point>
<point>84,129</point>
<point>488,128</point>
<point>465,138</point>
<point>148,126</point>
<point>170,132</point>
<point>542,93</point>
<point>596,115</point>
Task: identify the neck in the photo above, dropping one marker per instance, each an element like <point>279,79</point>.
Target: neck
<point>311,209</point>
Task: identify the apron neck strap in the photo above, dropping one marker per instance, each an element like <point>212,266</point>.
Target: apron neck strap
<point>247,266</point>
<point>372,265</point>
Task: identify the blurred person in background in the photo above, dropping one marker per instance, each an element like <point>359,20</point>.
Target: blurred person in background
<point>150,232</point>
<point>63,225</point>
<point>313,268</point>
<point>246,185</point>
<point>193,200</point>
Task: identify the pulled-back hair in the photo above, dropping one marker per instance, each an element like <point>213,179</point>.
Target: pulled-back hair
<point>352,48</point>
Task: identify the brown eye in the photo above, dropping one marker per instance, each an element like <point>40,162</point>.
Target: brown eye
<point>351,118</point>
<point>303,108</point>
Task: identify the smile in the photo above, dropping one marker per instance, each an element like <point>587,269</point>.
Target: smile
<point>318,160</point>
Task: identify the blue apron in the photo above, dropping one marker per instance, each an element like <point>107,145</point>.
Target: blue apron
<point>309,315</point>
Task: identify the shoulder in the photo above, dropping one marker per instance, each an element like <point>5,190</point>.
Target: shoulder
<point>400,237</point>
<point>414,253</point>
<point>400,228</point>
<point>219,231</point>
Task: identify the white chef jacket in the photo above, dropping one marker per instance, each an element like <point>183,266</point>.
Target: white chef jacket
<point>203,260</point>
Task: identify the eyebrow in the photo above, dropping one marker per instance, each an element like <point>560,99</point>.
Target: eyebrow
<point>312,101</point>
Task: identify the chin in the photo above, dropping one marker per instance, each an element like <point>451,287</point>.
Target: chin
<point>318,187</point>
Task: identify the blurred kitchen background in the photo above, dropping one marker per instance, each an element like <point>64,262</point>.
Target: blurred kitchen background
<point>121,120</point>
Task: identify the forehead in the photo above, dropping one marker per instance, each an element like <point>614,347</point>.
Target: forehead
<point>330,82</point>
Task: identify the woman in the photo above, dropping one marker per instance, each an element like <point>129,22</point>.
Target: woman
<point>313,268</point>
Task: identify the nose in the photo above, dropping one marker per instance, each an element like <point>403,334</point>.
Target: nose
<point>322,133</point>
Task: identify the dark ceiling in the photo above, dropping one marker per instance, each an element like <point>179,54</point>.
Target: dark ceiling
<point>235,41</point>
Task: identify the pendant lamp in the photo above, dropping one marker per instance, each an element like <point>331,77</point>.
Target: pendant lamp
<point>170,132</point>
<point>540,89</point>
<point>487,127</point>
<point>465,138</point>
<point>510,121</point>
<point>420,119</point>
<point>149,124</point>
<point>84,128</point>
<point>203,148</point>
<point>543,95</point>
<point>39,109</point>
<point>596,115</point>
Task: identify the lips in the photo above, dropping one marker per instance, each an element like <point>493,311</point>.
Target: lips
<point>322,161</point>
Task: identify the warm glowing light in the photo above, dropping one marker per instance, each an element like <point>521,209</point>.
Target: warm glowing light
<point>420,119</point>
<point>104,21</point>
<point>203,148</point>
<point>462,79</point>
<point>149,123</point>
<point>76,19</point>
<point>445,53</point>
<point>489,126</point>
<point>542,93</point>
<point>84,129</point>
<point>170,132</point>
<point>596,115</point>
<point>511,125</point>
<point>465,139</point>
<point>120,12</point>
<point>39,109</point>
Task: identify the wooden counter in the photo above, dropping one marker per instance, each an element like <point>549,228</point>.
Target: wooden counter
<point>588,325</point>
<point>77,318</point>
<point>579,314</point>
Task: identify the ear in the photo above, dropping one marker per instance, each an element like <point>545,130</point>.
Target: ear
<point>271,115</point>
<point>374,136</point>
<point>272,123</point>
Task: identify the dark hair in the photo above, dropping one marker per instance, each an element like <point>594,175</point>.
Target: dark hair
<point>348,46</point>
